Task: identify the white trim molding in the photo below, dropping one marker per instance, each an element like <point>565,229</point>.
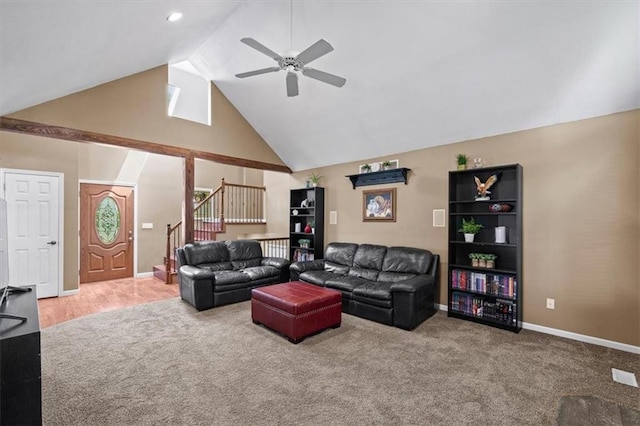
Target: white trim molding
<point>573,336</point>
<point>144,274</point>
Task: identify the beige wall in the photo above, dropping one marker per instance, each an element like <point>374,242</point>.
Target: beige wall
<point>135,107</point>
<point>581,208</point>
<point>109,109</point>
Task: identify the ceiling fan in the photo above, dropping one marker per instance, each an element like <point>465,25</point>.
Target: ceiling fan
<point>292,63</point>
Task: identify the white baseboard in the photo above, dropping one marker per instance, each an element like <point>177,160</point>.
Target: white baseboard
<point>574,336</point>
<point>70,292</point>
<point>144,274</point>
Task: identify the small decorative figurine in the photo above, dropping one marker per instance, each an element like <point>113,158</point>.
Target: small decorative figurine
<point>483,188</point>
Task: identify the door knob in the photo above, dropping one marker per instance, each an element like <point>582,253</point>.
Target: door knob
<point>130,238</point>
<point>52,243</point>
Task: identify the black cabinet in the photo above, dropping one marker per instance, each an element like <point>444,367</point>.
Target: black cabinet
<point>306,224</point>
<point>20,374</point>
<point>487,289</point>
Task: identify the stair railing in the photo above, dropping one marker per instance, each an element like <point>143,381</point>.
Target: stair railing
<point>243,204</point>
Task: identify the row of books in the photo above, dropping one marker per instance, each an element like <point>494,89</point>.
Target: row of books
<point>493,284</point>
<point>499,310</point>
<point>302,255</point>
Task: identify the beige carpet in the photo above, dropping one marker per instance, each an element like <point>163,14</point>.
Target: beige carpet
<point>164,363</point>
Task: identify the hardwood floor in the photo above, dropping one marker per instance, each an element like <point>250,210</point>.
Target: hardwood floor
<point>104,296</point>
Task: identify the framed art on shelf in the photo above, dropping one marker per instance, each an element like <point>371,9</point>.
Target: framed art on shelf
<point>379,205</point>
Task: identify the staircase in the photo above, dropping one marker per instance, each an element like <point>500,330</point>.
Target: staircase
<point>229,204</point>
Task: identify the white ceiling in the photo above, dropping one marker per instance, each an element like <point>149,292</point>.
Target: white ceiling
<point>419,73</point>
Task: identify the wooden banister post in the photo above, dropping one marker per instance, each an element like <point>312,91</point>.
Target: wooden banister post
<point>222,185</point>
<point>187,203</point>
<point>167,258</point>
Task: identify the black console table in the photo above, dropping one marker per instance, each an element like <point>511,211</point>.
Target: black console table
<point>20,373</point>
<point>379,178</point>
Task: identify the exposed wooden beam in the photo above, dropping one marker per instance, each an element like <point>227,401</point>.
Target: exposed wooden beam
<point>65,133</point>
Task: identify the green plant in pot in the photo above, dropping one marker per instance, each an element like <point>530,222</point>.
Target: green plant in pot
<point>474,259</point>
<point>314,178</point>
<point>386,165</point>
<point>470,228</point>
<point>461,161</point>
<point>490,260</point>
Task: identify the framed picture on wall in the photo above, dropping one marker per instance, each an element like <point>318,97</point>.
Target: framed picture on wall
<point>379,205</point>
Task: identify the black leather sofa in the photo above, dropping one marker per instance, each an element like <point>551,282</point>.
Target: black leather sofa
<point>390,285</point>
<point>214,273</point>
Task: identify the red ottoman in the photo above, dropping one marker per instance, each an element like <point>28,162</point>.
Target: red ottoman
<point>296,309</point>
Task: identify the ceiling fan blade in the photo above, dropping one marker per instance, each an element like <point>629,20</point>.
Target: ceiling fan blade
<point>257,72</point>
<point>325,77</point>
<point>313,52</point>
<point>261,48</point>
<point>292,84</point>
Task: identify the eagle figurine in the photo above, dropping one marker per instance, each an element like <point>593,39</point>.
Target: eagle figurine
<point>483,188</point>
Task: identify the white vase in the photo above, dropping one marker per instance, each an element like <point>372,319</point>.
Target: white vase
<point>469,237</point>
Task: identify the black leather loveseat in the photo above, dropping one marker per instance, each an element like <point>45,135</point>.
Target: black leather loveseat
<point>391,285</point>
<point>214,273</point>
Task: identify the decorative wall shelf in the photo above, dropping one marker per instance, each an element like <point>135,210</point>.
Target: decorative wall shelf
<point>380,178</point>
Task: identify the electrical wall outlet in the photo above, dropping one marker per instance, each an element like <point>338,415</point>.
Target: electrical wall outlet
<point>551,303</point>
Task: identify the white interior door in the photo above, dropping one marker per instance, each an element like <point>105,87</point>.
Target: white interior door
<point>33,236</point>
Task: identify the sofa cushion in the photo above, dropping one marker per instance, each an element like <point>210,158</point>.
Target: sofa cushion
<point>344,283</point>
<point>382,303</point>
<point>230,277</point>
<point>369,256</point>
<point>367,274</point>
<point>244,253</point>
<point>316,277</point>
<point>374,290</point>
<point>407,259</point>
<point>394,276</point>
<point>221,266</point>
<point>336,268</point>
<point>340,253</point>
<point>206,252</point>
<point>260,272</point>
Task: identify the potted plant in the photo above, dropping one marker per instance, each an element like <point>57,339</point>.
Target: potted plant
<point>482,260</point>
<point>470,228</point>
<point>461,160</point>
<point>474,259</point>
<point>491,260</point>
<point>366,168</point>
<point>314,178</point>
<point>386,165</point>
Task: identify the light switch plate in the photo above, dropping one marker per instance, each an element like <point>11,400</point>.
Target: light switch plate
<point>147,225</point>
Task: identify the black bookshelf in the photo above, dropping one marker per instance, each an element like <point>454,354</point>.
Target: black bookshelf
<point>490,296</point>
<point>303,213</point>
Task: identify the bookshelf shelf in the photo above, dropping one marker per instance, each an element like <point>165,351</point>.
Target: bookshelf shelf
<point>489,296</point>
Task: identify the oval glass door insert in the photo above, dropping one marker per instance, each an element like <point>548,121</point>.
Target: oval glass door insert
<point>107,220</point>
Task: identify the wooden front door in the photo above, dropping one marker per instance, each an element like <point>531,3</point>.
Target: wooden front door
<point>106,232</point>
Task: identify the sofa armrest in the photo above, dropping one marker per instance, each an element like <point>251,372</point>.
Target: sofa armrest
<point>196,286</point>
<point>413,301</point>
<point>195,273</point>
<point>310,265</point>
<point>278,262</point>
<point>412,284</point>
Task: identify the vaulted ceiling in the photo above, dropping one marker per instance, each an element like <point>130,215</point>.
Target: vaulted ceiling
<point>419,73</point>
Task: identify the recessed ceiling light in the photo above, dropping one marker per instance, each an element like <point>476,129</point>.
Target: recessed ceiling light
<point>175,16</point>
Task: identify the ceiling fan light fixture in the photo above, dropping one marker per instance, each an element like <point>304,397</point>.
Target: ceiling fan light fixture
<point>175,16</point>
